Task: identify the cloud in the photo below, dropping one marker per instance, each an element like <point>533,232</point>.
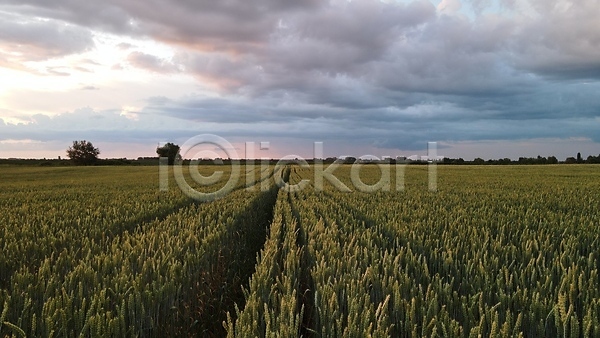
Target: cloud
<point>34,39</point>
<point>151,63</point>
<point>387,74</point>
<point>102,16</point>
<point>562,41</point>
<point>125,46</point>
<point>90,88</point>
<point>20,141</point>
<point>83,123</point>
<point>340,36</point>
<point>451,6</point>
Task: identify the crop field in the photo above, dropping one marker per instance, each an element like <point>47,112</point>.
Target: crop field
<point>494,251</point>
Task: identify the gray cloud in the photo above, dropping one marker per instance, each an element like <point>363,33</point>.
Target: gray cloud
<point>87,123</point>
<point>151,63</point>
<point>34,39</point>
<point>92,14</point>
<point>563,41</point>
<point>386,74</point>
<point>340,36</point>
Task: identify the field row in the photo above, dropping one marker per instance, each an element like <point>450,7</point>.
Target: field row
<point>126,261</point>
<point>493,252</point>
<point>516,256</point>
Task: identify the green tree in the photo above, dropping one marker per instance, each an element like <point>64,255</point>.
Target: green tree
<point>593,159</point>
<point>83,153</point>
<point>169,150</point>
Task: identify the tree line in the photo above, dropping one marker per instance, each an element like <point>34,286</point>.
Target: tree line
<point>526,160</point>
<point>83,152</point>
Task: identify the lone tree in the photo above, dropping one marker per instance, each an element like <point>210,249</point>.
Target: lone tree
<point>83,153</point>
<point>169,150</point>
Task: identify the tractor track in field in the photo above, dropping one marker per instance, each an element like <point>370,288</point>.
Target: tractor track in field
<point>220,290</point>
<point>307,285</point>
<point>108,237</point>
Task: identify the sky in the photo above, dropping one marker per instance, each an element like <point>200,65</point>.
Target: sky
<point>482,78</point>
